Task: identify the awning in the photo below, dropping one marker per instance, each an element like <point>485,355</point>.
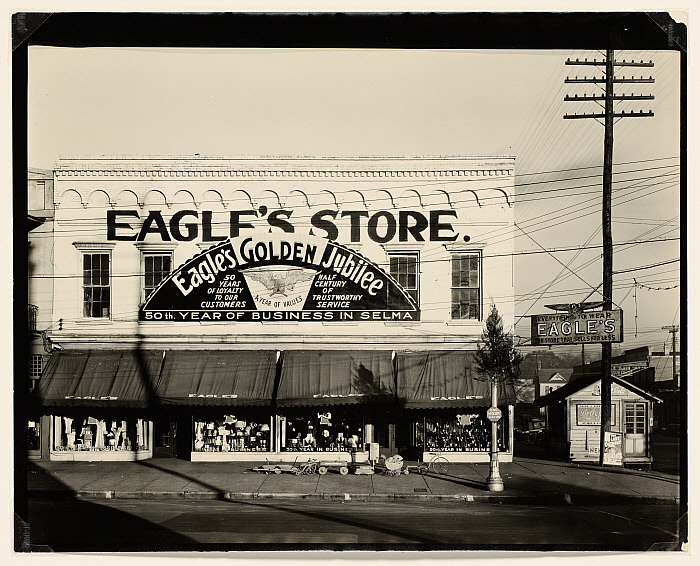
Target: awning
<point>100,378</point>
<point>217,377</point>
<point>444,380</point>
<point>313,377</point>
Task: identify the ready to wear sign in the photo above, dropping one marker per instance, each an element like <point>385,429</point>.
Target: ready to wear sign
<point>278,277</point>
<point>576,328</point>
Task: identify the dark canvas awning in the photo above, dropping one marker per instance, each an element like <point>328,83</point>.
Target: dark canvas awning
<point>313,377</point>
<point>217,377</point>
<point>444,380</point>
<point>100,378</point>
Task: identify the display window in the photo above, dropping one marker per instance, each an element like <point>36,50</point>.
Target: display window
<point>458,430</point>
<point>233,432</point>
<point>34,434</point>
<point>99,434</point>
<point>323,430</point>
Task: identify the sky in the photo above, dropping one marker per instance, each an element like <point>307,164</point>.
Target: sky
<point>361,102</point>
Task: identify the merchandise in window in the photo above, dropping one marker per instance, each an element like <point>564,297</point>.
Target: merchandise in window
<point>323,431</point>
<point>98,435</point>
<point>231,434</point>
<point>466,431</point>
<point>466,296</point>
<point>96,285</point>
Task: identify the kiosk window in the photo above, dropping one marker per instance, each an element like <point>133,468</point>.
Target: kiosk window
<point>635,418</point>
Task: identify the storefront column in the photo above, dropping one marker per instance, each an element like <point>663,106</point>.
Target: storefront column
<point>45,421</point>
<point>56,433</point>
<point>369,433</point>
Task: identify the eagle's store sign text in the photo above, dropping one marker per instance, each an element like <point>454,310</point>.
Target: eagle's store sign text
<point>187,225</point>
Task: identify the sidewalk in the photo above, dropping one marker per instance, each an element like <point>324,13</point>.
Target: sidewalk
<point>527,481</point>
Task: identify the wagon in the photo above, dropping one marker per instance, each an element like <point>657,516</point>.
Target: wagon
<point>340,464</point>
<point>277,467</point>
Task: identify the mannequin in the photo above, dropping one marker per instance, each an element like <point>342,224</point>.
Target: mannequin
<point>325,441</point>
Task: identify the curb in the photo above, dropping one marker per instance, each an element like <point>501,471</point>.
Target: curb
<point>547,498</point>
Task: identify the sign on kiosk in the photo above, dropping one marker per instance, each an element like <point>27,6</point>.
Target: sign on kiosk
<point>593,327</point>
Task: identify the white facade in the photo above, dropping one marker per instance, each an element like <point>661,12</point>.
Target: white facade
<point>475,196</point>
<point>436,229</point>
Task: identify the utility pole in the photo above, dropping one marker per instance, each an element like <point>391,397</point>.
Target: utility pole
<point>609,116</point>
<point>672,330</point>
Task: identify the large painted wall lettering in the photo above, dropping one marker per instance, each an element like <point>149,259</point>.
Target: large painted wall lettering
<point>357,225</point>
<point>278,277</point>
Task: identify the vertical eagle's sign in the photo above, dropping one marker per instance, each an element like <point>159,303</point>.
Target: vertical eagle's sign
<point>277,277</point>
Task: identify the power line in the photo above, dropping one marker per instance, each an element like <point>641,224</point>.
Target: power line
<point>485,256</point>
<point>646,266</point>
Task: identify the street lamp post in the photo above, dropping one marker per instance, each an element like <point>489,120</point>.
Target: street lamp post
<point>494,481</point>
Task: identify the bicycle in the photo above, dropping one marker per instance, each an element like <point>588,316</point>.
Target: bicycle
<point>437,464</point>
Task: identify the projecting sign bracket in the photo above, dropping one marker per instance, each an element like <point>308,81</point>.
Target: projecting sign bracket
<point>575,307</point>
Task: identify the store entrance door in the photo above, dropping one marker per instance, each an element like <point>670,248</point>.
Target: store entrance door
<point>165,439</point>
<point>385,436</point>
<point>635,430</point>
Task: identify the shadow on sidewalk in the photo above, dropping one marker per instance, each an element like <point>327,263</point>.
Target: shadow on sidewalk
<point>62,522</point>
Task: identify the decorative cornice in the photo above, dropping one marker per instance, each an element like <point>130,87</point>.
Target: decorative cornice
<point>261,173</point>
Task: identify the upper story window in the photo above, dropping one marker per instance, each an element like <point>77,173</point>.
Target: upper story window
<point>156,267</point>
<point>96,285</point>
<point>404,268</point>
<point>466,286</point>
<point>36,366</point>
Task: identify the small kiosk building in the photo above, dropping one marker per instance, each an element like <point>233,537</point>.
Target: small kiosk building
<point>573,422</point>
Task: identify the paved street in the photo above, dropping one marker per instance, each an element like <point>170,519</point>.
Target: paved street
<point>114,525</point>
<point>179,505</point>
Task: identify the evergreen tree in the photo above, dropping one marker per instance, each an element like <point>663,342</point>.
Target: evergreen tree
<point>496,357</point>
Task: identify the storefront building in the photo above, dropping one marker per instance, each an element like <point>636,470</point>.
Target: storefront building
<point>245,308</point>
<point>573,422</point>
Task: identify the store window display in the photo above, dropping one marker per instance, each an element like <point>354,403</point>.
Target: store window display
<point>231,434</point>
<point>466,430</point>
<point>323,432</point>
<point>97,435</point>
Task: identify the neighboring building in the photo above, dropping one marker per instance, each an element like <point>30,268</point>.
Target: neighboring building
<point>528,389</point>
<point>262,306</point>
<point>553,379</point>
<point>664,367</point>
<point>39,290</point>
